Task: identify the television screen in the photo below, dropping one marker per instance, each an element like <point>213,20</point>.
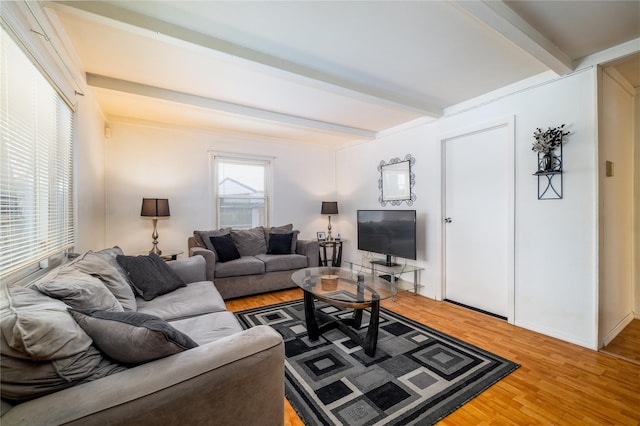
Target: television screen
<point>388,232</point>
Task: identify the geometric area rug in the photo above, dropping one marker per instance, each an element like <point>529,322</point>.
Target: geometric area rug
<point>418,375</point>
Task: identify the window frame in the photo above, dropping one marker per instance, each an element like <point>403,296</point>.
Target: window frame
<point>267,162</point>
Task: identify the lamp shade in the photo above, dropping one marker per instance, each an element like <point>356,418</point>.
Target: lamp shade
<point>329,207</point>
<point>155,207</point>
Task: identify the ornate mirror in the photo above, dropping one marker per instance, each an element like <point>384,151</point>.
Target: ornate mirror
<point>396,181</point>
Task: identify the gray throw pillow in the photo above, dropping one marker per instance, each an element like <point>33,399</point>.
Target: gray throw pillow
<point>132,337</point>
<point>250,242</point>
<point>25,379</point>
<point>150,276</point>
<point>42,348</point>
<point>103,264</point>
<point>80,291</point>
<point>38,327</point>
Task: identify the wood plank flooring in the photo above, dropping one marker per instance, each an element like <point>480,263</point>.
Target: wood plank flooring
<point>558,383</point>
<point>626,345</point>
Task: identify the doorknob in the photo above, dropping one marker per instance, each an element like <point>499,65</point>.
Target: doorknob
<point>448,220</point>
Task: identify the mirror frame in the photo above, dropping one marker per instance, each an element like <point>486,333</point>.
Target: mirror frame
<point>396,181</point>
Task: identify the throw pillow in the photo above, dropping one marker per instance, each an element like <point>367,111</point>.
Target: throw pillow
<point>226,249</point>
<point>103,264</point>
<point>294,239</point>
<point>204,237</point>
<point>25,379</point>
<point>132,337</point>
<point>38,327</point>
<point>282,229</point>
<point>80,291</point>
<point>150,276</point>
<point>280,243</point>
<point>250,242</point>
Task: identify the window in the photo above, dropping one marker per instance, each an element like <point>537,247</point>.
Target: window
<point>36,132</point>
<point>241,191</point>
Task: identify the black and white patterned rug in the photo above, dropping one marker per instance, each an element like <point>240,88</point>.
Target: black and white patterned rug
<point>418,375</point>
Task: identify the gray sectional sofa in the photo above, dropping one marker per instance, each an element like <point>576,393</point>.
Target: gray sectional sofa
<point>67,340</point>
<point>265,258</point>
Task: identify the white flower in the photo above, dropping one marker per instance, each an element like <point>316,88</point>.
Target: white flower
<point>547,141</point>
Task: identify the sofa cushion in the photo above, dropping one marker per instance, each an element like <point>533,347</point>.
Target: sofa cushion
<point>250,241</point>
<point>38,327</point>
<point>208,328</point>
<point>25,379</point>
<point>132,337</point>
<point>202,237</point>
<point>195,299</point>
<point>283,229</point>
<point>103,264</point>
<point>40,350</point>
<point>225,248</point>
<point>283,262</point>
<point>149,275</point>
<point>280,243</point>
<point>246,265</point>
<point>80,291</point>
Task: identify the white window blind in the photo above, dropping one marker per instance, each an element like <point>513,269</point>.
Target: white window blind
<point>36,133</point>
<point>242,191</point>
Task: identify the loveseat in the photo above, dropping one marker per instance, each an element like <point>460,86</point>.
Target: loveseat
<point>83,346</point>
<point>253,261</point>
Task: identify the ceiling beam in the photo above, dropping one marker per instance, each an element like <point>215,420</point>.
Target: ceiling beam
<point>104,82</point>
<point>133,20</point>
<point>505,21</point>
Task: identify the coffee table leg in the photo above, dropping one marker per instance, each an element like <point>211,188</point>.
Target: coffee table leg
<point>371,339</point>
<point>310,317</point>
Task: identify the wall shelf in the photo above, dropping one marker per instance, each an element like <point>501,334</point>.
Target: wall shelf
<point>550,182</point>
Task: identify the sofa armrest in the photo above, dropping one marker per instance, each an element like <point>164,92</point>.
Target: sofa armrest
<point>311,250</point>
<point>191,269</point>
<point>210,260</point>
<point>235,380</point>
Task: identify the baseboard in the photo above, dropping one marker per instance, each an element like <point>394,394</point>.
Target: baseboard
<point>617,329</point>
<point>476,309</point>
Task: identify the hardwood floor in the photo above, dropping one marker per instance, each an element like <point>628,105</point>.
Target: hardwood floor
<point>558,383</point>
<point>626,345</point>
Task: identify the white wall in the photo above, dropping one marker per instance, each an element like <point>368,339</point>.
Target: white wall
<point>89,164</point>
<point>556,241</point>
<point>145,160</point>
<point>616,205</point>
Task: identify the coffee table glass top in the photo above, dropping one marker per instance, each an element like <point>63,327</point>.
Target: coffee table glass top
<point>342,285</point>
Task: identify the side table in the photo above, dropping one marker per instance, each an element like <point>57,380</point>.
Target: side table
<point>336,255</point>
<point>166,255</point>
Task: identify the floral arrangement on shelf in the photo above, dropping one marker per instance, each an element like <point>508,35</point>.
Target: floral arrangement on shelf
<point>547,141</point>
<point>545,144</point>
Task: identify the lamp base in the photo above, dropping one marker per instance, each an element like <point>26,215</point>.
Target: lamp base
<point>155,250</point>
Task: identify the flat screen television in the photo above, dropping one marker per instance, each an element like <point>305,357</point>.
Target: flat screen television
<point>388,232</point>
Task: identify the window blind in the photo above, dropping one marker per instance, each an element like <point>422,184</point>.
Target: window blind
<point>36,170</point>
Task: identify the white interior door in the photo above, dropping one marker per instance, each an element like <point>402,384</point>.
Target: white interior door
<point>477,220</point>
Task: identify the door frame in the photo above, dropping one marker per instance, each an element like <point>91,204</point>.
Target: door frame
<point>509,123</point>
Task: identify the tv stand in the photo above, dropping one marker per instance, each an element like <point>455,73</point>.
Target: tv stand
<point>386,262</point>
<point>391,273</point>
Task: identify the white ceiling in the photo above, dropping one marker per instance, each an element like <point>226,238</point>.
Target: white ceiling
<point>327,72</point>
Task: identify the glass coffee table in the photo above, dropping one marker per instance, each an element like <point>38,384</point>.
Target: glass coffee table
<point>344,288</point>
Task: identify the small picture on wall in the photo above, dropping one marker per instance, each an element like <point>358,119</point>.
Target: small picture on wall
<point>321,236</point>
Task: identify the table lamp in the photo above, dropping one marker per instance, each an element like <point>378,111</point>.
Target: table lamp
<point>155,208</point>
<point>329,208</point>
